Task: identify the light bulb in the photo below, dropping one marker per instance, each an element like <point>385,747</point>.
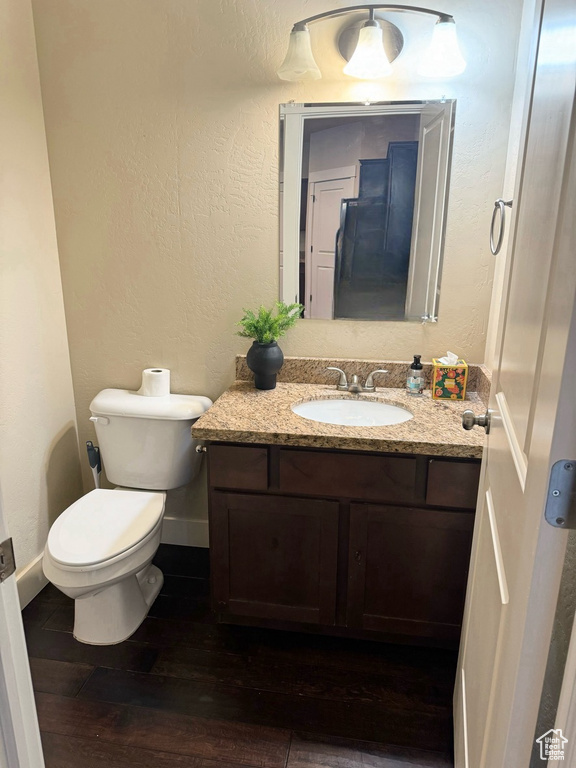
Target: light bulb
<point>442,58</point>
<point>299,63</point>
<point>369,60</point>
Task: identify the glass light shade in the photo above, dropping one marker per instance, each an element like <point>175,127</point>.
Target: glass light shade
<point>299,63</point>
<point>369,60</point>
<point>442,58</point>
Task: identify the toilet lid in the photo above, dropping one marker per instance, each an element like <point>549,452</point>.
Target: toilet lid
<point>103,524</point>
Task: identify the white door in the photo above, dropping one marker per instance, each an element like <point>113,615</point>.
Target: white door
<point>517,556</point>
<point>436,126</point>
<point>20,745</point>
<point>323,221</point>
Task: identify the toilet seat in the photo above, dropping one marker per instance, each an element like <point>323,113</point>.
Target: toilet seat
<point>103,525</point>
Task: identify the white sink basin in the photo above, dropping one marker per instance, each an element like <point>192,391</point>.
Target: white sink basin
<point>352,413</point>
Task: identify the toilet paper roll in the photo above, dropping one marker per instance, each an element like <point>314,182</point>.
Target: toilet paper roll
<point>155,382</point>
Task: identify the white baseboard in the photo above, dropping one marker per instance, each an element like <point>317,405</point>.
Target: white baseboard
<point>30,581</point>
<point>188,533</point>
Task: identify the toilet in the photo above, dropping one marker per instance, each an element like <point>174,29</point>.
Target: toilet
<point>100,550</point>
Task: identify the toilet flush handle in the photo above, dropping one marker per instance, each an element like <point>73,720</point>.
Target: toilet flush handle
<point>100,419</point>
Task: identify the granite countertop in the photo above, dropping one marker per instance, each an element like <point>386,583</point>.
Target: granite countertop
<point>244,414</point>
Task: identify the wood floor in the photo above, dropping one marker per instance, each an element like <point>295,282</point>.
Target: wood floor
<point>184,691</point>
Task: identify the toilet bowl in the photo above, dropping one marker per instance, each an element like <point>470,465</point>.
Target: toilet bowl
<point>99,552</point>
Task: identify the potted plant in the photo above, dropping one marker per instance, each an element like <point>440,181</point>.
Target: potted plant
<point>265,357</point>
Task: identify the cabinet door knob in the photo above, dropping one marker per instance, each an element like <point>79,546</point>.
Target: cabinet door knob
<point>358,556</point>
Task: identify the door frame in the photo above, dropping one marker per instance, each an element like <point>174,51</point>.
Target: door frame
<point>566,712</point>
<point>319,177</point>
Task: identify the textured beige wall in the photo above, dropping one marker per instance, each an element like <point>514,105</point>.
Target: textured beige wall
<point>39,465</point>
<point>162,127</point>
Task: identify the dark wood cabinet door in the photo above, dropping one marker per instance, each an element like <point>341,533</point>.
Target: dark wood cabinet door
<point>274,557</point>
<point>407,570</point>
<point>403,157</point>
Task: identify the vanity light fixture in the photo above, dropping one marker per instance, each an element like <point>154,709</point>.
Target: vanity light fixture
<point>369,60</point>
<point>369,53</point>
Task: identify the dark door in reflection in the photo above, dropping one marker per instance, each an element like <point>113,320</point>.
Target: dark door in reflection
<point>374,239</point>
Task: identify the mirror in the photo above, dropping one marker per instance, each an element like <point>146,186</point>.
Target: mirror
<point>363,198</point>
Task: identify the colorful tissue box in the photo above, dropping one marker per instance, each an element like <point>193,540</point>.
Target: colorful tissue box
<point>449,381</point>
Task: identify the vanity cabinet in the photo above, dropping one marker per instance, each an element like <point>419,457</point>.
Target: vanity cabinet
<point>358,543</point>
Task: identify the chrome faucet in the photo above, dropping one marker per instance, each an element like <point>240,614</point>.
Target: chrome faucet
<point>354,386</point>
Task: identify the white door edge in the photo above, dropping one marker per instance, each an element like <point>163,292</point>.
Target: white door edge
<point>19,732</point>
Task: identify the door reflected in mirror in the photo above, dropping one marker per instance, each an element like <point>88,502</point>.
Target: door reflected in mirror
<point>363,196</point>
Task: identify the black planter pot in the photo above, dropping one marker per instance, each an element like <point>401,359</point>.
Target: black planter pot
<point>264,360</point>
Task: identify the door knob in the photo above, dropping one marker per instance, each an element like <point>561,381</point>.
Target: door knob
<point>469,420</point>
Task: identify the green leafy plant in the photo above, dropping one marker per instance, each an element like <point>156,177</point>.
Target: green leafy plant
<point>266,327</point>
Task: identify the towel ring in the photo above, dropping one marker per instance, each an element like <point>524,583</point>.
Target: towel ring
<point>499,205</point>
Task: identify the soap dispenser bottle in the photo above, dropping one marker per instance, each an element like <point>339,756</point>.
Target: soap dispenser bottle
<point>415,378</point>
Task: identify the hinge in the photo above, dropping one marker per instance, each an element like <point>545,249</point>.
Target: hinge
<point>313,198</point>
<point>561,499</point>
<point>7,562</point>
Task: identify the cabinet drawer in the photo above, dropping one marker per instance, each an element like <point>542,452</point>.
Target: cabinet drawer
<point>452,484</point>
<point>238,466</point>
<point>378,478</point>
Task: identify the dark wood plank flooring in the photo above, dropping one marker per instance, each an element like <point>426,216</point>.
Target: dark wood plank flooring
<point>185,691</point>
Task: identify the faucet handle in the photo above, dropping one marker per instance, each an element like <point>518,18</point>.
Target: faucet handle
<point>369,386</point>
<point>342,381</point>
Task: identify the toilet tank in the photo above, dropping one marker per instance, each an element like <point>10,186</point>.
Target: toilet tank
<point>145,442</point>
